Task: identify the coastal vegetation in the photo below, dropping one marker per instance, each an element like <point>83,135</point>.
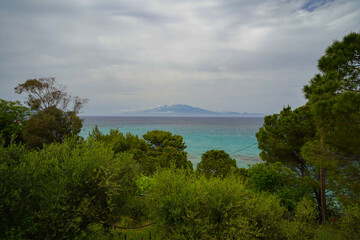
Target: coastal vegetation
<point>56,185</point>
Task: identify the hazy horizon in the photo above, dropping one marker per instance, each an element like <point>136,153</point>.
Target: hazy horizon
<point>181,113</point>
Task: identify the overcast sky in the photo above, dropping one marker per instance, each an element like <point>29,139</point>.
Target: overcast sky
<point>124,55</point>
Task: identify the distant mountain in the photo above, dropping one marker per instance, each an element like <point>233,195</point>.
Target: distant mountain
<point>179,108</point>
<point>186,110</point>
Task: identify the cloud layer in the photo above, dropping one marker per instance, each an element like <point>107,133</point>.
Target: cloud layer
<point>245,56</point>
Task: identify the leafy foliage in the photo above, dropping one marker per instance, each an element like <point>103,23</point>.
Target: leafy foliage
<point>216,163</point>
<point>282,136</point>
<point>305,221</point>
<point>350,222</point>
<point>158,149</point>
<point>167,149</point>
<point>281,181</point>
<point>13,117</point>
<point>282,139</point>
<point>56,193</point>
<point>50,125</point>
<point>159,140</point>
<point>185,207</point>
<point>145,183</point>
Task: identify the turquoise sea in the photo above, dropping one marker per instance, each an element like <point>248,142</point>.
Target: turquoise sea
<point>234,135</point>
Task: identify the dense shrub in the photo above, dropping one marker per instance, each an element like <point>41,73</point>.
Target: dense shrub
<point>350,223</point>
<point>304,223</point>
<point>281,181</point>
<point>57,192</point>
<point>186,207</point>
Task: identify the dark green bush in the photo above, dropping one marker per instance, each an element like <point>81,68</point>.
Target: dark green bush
<point>57,192</point>
<point>281,181</point>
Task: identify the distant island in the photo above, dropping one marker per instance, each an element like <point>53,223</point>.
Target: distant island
<point>186,110</point>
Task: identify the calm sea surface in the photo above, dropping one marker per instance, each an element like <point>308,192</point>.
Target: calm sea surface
<point>234,135</point>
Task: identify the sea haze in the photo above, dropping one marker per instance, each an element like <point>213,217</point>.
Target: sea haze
<point>235,135</point>
<point>182,110</point>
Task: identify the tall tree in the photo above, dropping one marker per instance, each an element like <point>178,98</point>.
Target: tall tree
<point>56,112</point>
<point>281,139</point>
<point>334,97</point>
<point>282,136</point>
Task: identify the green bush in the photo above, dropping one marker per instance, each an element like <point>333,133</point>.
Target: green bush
<point>145,184</point>
<point>305,221</point>
<point>186,207</point>
<point>57,192</point>
<point>281,181</point>
<point>350,223</point>
<point>13,116</point>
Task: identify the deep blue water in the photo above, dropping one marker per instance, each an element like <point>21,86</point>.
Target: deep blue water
<point>200,133</point>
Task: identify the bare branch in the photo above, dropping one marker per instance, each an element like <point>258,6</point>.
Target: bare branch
<point>44,93</point>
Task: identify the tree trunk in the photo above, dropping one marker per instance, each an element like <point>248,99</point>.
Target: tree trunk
<point>323,197</point>
<point>318,200</point>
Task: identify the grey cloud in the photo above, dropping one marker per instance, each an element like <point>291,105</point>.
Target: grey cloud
<point>36,7</point>
<point>139,54</point>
